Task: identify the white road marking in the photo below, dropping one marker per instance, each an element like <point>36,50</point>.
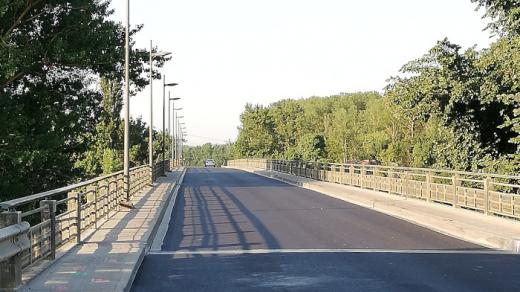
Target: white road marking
<point>268,251</point>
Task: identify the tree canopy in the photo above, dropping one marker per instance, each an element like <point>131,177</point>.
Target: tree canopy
<point>60,77</point>
<point>451,108</point>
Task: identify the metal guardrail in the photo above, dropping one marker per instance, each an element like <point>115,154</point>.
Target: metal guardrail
<point>60,216</point>
<point>13,240</point>
<point>491,194</point>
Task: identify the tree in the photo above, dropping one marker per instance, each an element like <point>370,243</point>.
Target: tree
<point>504,13</point>
<point>53,54</point>
<point>257,133</point>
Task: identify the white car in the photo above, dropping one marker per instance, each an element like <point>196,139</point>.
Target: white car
<point>209,162</point>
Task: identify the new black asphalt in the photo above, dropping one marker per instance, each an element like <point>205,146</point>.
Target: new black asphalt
<point>222,211</point>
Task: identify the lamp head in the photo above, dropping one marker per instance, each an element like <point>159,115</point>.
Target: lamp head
<point>161,54</point>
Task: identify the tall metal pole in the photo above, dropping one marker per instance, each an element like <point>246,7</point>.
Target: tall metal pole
<point>182,146</point>
<point>126,103</point>
<point>169,121</point>
<point>177,141</point>
<point>173,130</point>
<point>150,134</point>
<point>163,121</point>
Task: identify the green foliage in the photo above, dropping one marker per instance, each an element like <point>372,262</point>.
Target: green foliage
<point>504,13</point>
<point>52,56</point>
<point>311,147</point>
<point>111,161</point>
<point>196,155</point>
<point>257,136</point>
<point>448,109</point>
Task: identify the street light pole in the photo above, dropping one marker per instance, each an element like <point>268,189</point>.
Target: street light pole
<point>169,121</point>
<point>173,133</point>
<point>163,114</point>
<point>173,149</point>
<point>126,103</point>
<point>164,120</point>
<point>177,139</point>
<point>150,134</point>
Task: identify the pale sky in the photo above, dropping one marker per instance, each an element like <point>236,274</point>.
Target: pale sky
<point>231,52</point>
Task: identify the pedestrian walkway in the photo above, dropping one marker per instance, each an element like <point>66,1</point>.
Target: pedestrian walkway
<point>108,259</point>
<point>489,231</point>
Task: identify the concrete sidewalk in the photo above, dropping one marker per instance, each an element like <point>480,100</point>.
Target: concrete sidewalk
<point>492,232</point>
<point>108,259</point>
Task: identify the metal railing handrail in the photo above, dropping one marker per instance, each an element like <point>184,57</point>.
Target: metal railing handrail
<point>60,216</point>
<point>39,196</point>
<point>491,194</point>
<point>437,170</point>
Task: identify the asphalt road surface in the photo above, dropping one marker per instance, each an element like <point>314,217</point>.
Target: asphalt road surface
<point>235,231</point>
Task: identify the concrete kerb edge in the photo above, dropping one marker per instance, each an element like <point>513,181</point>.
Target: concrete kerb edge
<point>509,245</point>
<point>154,233</point>
<point>162,228</point>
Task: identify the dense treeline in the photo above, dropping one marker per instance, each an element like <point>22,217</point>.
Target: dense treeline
<point>61,76</point>
<point>451,108</point>
<point>196,155</point>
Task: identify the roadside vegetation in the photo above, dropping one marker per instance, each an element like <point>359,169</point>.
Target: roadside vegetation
<point>451,108</point>
<point>196,155</point>
<point>61,76</point>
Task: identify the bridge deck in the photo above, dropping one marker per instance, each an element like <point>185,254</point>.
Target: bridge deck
<point>233,230</point>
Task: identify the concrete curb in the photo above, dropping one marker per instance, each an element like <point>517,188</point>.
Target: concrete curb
<point>154,231</point>
<point>162,228</point>
<point>460,230</point>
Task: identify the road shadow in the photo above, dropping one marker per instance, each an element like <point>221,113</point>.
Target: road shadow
<point>208,216</point>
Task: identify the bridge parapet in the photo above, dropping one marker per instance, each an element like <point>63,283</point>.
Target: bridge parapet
<point>61,216</point>
<point>491,194</point>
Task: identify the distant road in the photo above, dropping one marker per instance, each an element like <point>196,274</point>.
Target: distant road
<point>236,231</point>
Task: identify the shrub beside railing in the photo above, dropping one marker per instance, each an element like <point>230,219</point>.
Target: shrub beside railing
<point>486,193</point>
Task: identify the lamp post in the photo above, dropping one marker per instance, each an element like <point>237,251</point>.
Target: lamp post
<point>172,99</point>
<point>177,137</point>
<point>181,141</point>
<point>174,142</point>
<point>126,105</point>
<point>164,119</point>
<point>184,135</point>
<point>150,134</point>
<point>173,127</point>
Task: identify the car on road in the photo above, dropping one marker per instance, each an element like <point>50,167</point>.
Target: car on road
<point>209,163</point>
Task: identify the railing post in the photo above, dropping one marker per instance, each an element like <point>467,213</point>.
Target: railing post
<point>487,188</point>
<point>428,186</point>
<point>151,176</point>
<point>92,198</point>
<point>50,214</point>
<point>78,217</point>
<point>341,173</point>
<point>362,176</point>
<point>10,269</point>
<point>455,182</point>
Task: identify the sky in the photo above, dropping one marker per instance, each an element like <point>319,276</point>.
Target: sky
<point>228,53</point>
